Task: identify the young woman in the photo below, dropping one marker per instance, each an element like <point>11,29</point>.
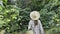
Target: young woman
<point>35,23</point>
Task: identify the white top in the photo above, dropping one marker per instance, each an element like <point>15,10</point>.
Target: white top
<point>38,29</point>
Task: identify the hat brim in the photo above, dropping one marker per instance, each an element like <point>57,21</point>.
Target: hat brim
<point>36,14</point>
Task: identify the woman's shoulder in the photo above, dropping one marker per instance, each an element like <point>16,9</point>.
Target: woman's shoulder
<point>31,21</point>
<point>38,20</point>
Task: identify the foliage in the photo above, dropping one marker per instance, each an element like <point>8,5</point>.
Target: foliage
<point>54,31</point>
<point>9,18</point>
<point>14,15</point>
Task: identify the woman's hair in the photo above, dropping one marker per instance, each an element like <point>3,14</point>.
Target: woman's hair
<point>35,22</point>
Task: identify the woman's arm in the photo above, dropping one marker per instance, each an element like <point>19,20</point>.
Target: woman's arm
<point>29,26</point>
<point>41,28</point>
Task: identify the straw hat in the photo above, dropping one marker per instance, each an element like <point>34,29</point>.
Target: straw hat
<point>34,15</point>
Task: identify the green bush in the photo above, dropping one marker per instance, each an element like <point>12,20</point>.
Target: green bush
<point>54,31</point>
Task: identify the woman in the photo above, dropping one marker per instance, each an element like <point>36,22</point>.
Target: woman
<point>35,23</point>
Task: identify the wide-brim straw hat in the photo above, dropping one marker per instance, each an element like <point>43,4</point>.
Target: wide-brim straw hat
<point>34,15</point>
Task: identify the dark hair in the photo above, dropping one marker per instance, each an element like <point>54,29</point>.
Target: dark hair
<point>35,22</point>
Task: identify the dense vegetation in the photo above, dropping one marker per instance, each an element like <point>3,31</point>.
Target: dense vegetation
<point>14,15</point>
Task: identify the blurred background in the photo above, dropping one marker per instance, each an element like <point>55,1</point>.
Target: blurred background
<point>14,15</point>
